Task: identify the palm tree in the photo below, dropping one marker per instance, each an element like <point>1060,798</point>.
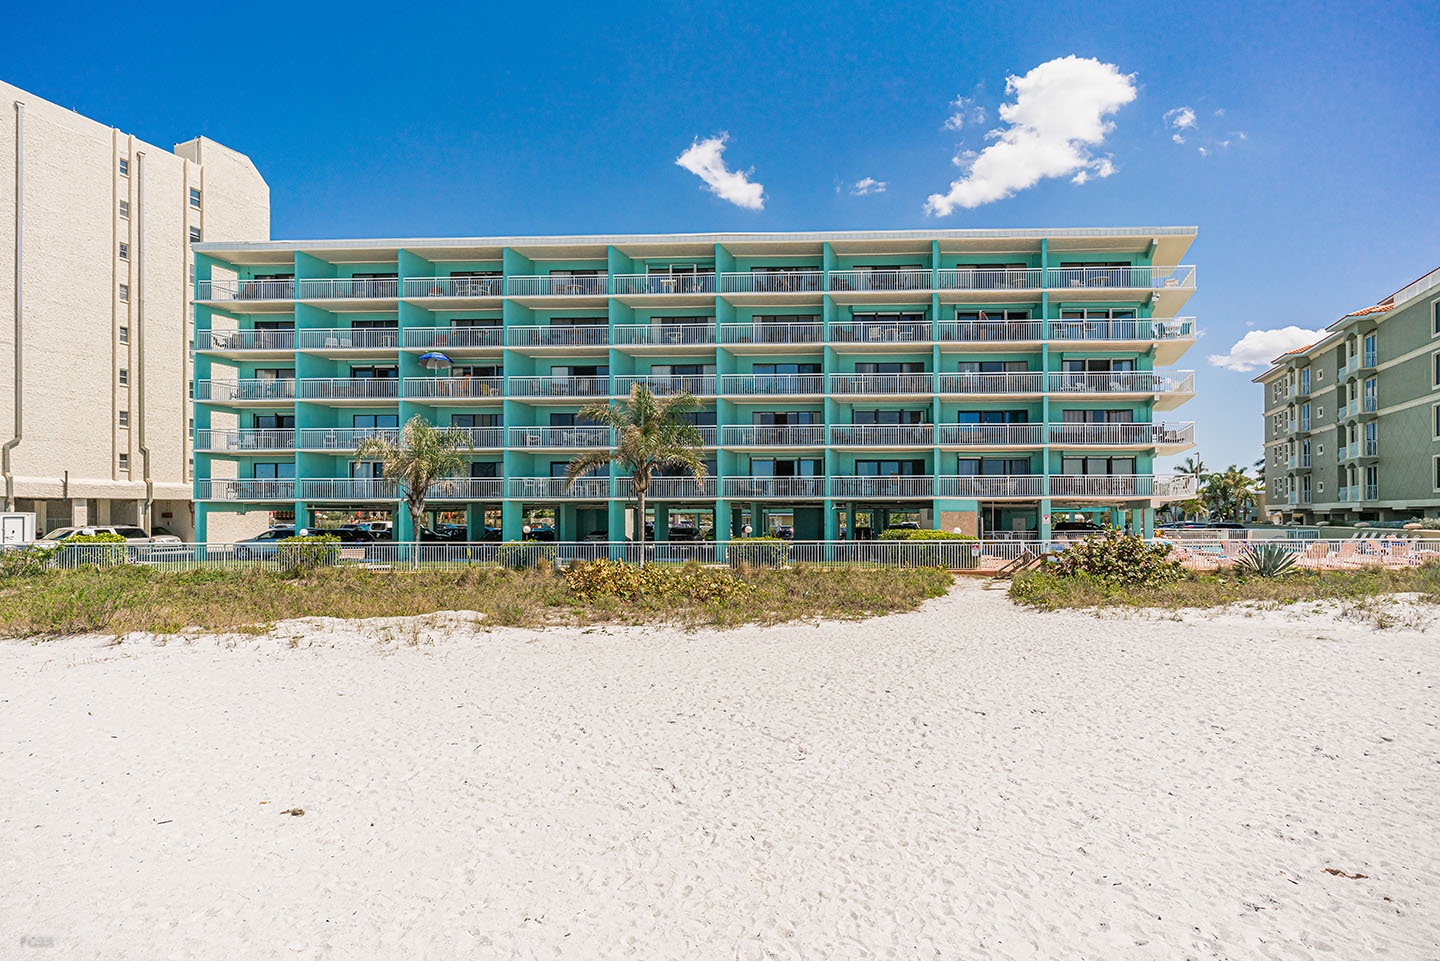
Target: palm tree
<point>1195,467</point>
<point>415,459</point>
<point>650,433</point>
<point>1230,492</point>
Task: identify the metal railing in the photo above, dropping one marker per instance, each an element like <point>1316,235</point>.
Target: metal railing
<point>343,438</point>
<point>990,331</point>
<point>1124,382</point>
<point>1175,328</point>
<point>881,332</point>
<point>455,388</point>
<point>349,338</point>
<point>882,435</point>
<point>583,488</point>
<point>570,438</point>
<point>665,385</point>
<point>697,283</point>
<point>991,435</point>
<point>1121,435</point>
<point>776,384</point>
<point>558,285</point>
<point>989,278</point>
<point>671,488</point>
<point>788,333</point>
<point>967,382</point>
<point>225,391</point>
<point>558,335</point>
<point>795,435</point>
<point>558,386</point>
<point>242,440</point>
<point>880,280</point>
<point>348,388</point>
<point>283,340</point>
<point>920,383</point>
<point>226,290</point>
<point>662,335</point>
<point>919,485</point>
<point>349,488</point>
<point>451,338</point>
<point>466,488</point>
<point>454,286</point>
<point>773,486</point>
<point>350,288</point>
<point>244,489</point>
<point>994,486</point>
<point>1129,278</point>
<point>772,282</point>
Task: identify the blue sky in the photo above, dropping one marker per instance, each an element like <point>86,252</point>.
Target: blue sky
<point>1318,190</point>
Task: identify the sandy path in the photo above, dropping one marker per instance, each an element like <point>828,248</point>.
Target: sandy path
<point>970,781</point>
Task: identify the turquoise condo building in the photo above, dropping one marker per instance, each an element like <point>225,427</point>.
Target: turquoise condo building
<point>987,381</point>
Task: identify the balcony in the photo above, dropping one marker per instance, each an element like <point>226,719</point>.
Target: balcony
<point>454,286</point>
<point>350,288</point>
<point>454,388</point>
<point>245,290</point>
<point>558,386</point>
<point>989,278</point>
<point>1347,451</point>
<point>772,385</point>
<point>887,384</point>
<point>245,489</point>
<point>564,438</point>
<point>991,486</point>
<point>880,280</point>
<point>1016,382</point>
<point>558,285</point>
<point>667,385</point>
<point>244,441</point>
<point>777,282</point>
<point>1126,278</point>
<point>348,388</point>
<point>1122,435</point>
<point>278,390</point>
<point>466,489</point>
<point>1124,382</point>
<point>453,338</point>
<point>882,435</point>
<point>350,338</point>
<point>343,438</point>
<point>799,435</point>
<point>800,333</point>
<point>991,331</point>
<point>991,435</point>
<point>558,335</point>
<point>895,486</point>
<point>626,285</point>
<point>663,335</point>
<point>880,333</point>
<point>245,340</point>
<point>349,489</point>
<point>556,488</point>
<point>1172,487</point>
<point>672,488</point>
<point>794,487</point>
<point>1144,331</point>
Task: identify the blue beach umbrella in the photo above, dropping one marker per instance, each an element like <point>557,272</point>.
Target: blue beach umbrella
<point>434,361</point>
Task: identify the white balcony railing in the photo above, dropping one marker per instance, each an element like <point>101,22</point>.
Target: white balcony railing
<point>1174,328</point>
<point>570,438</point>
<point>882,435</point>
<point>922,485</point>
<point>1121,435</point>
<point>343,438</point>
<point>760,333</point>
<point>662,335</point>
<point>453,338</point>
<point>1176,487</point>
<point>774,486</point>
<point>244,440</point>
<point>772,282</point>
<point>880,280</point>
<point>348,388</point>
<point>227,290</point>
<point>1127,278</point>
<point>796,435</point>
<point>1122,485</point>
<point>558,285</point>
<point>881,332</point>
<point>349,488</point>
<point>455,388</point>
<point>281,340</point>
<point>558,386</point>
<point>1125,382</point>
<point>255,389</point>
<point>558,335</point>
<point>666,385</point>
<point>991,485</point>
<point>629,284</point>
<point>349,338</point>
<point>466,488</point>
<point>992,435</point>
<point>919,383</point>
<point>991,331</point>
<point>968,382</point>
<point>350,288</point>
<point>671,488</point>
<point>989,278</point>
<point>772,384</point>
<point>454,286</point>
<point>245,489</point>
<point>584,488</point>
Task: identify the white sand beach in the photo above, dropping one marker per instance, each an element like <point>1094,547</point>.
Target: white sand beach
<point>968,781</point>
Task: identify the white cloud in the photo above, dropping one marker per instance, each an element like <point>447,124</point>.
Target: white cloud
<point>868,185</point>
<point>1176,138</point>
<point>1258,348</point>
<point>705,159</point>
<point>963,110</point>
<point>1058,116</point>
<point>1181,118</point>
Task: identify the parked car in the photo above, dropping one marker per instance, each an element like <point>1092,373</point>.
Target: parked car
<point>263,544</point>
<point>132,535</point>
<point>346,535</point>
<point>1083,528</point>
<point>546,534</point>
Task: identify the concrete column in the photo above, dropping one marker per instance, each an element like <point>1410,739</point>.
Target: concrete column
<point>1045,518</point>
<point>512,519</point>
<point>474,521</point>
<point>79,512</point>
<point>302,516</point>
<point>662,522</point>
<point>202,519</point>
<point>1148,522</point>
<point>141,520</point>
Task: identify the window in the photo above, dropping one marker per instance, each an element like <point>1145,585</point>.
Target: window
<point>124,251</point>
<point>1437,420</point>
<point>124,377</point>
<point>124,418</point>
<point>124,335</point>
<point>992,466</point>
<point>1435,365</point>
<point>124,293</point>
<point>124,210</point>
<point>891,468</point>
<point>1437,472</point>
<point>124,167</point>
<point>195,198</point>
<point>1435,308</point>
<point>124,461</point>
<point>194,235</point>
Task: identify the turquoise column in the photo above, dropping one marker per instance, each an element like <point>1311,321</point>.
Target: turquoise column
<point>512,519</point>
<point>1148,522</point>
<point>1044,518</point>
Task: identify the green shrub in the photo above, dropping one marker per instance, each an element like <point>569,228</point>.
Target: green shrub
<point>922,550</point>
<point>1114,557</point>
<point>591,580</point>
<point>1265,560</point>
<point>25,562</point>
<point>912,534</point>
<point>523,555</point>
<point>300,555</point>
<point>101,550</point>
<point>767,552</point>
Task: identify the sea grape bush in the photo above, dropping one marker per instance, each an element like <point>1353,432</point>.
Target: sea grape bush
<point>591,580</point>
<point>1115,557</point>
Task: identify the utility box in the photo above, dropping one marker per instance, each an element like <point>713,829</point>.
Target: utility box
<point>17,528</point>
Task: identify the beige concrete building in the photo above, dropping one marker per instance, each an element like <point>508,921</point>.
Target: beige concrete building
<point>95,284</point>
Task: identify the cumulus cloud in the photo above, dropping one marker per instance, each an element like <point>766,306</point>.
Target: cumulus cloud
<point>1057,119</point>
<point>1258,348</point>
<point>1185,125</point>
<point>1181,118</point>
<point>705,159</point>
<point>868,185</point>
<point>964,111</point>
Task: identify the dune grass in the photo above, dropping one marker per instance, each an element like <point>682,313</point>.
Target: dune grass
<point>119,600</point>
